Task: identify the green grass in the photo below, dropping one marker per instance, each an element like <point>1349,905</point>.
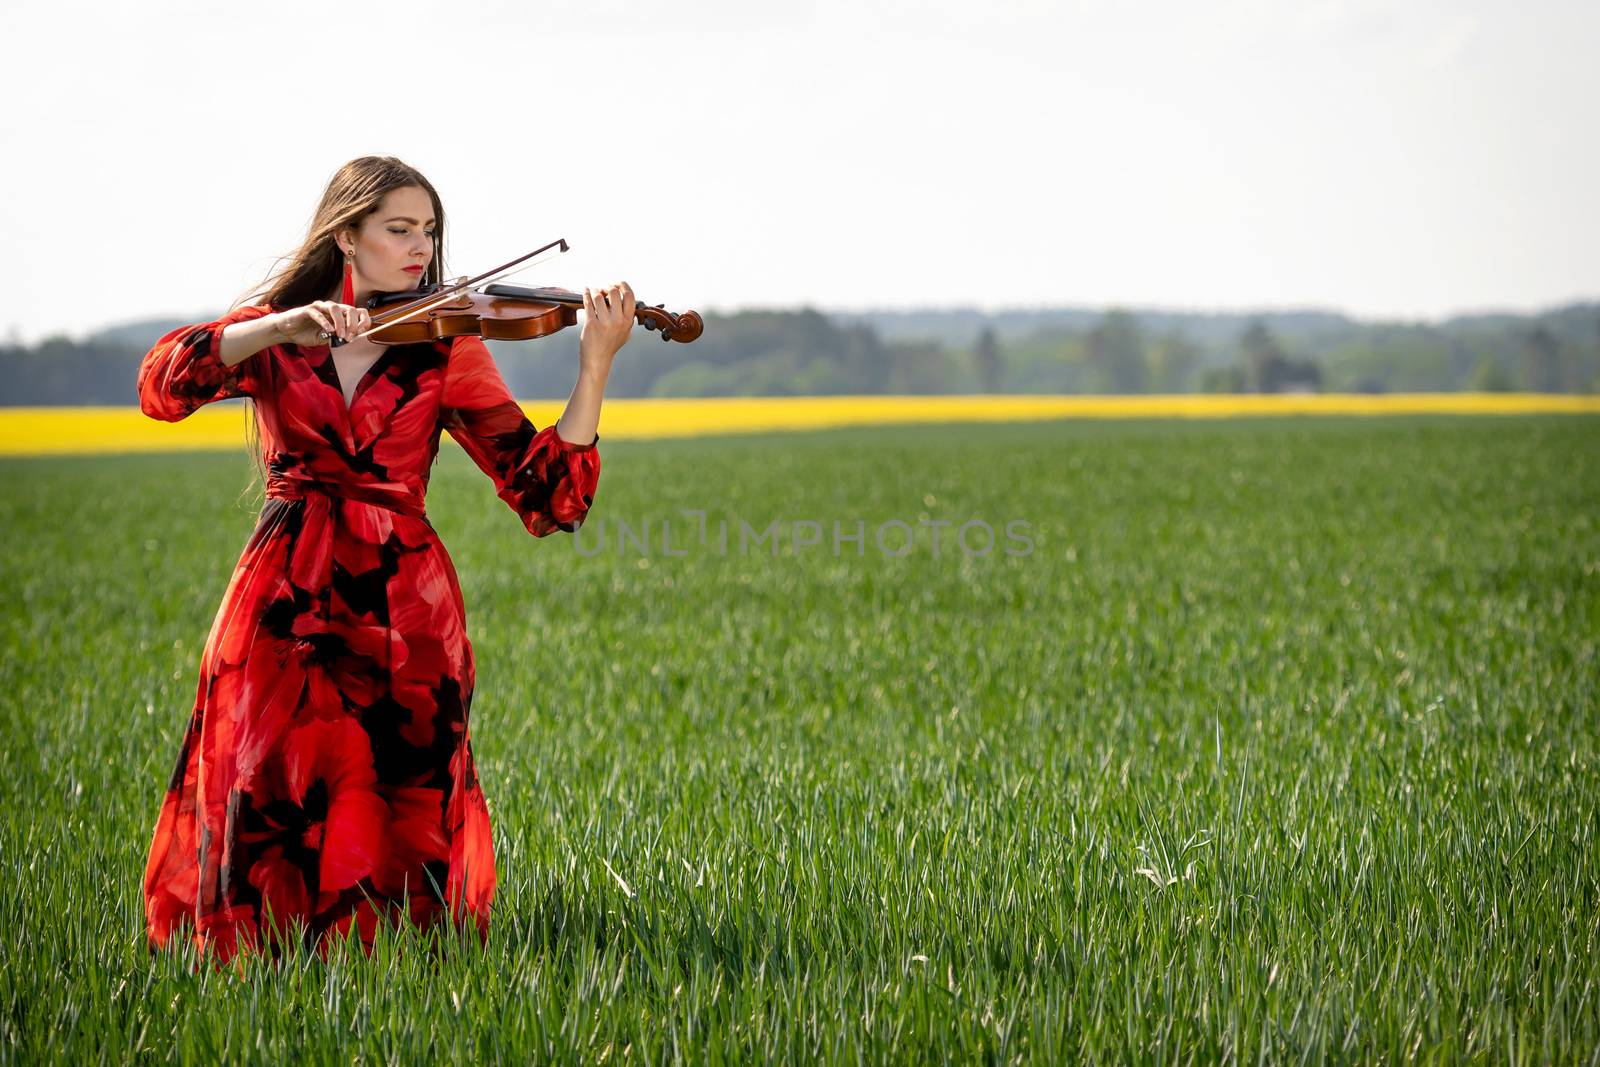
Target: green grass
<point>1280,745</point>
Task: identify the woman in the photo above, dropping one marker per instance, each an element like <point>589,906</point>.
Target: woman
<point>326,778</point>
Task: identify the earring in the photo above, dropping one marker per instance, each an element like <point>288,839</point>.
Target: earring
<point>348,296</point>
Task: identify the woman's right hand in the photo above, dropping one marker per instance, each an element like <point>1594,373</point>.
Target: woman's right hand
<point>306,325</point>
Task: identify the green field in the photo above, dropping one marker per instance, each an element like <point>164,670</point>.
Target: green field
<point>1280,745</point>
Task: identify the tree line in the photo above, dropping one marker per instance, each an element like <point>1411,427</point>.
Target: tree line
<point>954,351</point>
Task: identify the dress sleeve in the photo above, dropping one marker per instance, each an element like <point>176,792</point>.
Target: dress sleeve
<point>184,371</point>
<point>548,481</point>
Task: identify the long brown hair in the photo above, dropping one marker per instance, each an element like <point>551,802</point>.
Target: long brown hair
<point>316,268</point>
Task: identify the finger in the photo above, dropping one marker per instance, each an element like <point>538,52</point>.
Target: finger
<point>320,312</point>
<point>628,301</point>
<point>588,302</point>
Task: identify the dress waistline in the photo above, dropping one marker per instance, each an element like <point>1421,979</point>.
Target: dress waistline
<point>279,488</point>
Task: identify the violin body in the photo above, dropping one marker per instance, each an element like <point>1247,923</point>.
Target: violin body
<point>506,313</point>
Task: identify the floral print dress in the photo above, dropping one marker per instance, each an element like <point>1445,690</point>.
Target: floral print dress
<point>325,778</point>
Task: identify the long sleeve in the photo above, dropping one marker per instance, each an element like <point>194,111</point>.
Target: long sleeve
<point>547,481</point>
<point>183,371</point>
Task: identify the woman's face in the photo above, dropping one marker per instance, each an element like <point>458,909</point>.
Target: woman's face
<point>393,245</point>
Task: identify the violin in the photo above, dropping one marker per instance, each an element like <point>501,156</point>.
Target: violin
<point>497,312</point>
<point>507,313</point>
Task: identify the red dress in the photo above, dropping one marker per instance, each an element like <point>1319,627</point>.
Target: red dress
<point>326,776</point>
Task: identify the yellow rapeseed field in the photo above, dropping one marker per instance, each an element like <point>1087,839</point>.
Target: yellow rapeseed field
<point>64,430</point>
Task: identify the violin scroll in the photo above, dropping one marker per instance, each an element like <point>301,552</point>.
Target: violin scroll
<point>683,327</point>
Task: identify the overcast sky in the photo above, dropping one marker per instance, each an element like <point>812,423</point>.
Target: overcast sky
<point>1393,159</point>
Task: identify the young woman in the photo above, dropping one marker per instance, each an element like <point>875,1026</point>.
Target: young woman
<point>326,777</point>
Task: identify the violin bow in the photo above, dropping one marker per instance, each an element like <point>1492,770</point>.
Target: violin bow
<point>444,296</point>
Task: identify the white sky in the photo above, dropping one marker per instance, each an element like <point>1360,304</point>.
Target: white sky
<point>1384,157</point>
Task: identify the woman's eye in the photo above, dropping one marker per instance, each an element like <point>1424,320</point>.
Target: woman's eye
<point>393,230</point>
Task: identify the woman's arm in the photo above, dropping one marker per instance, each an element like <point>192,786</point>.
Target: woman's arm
<point>307,325</point>
<point>185,370</point>
<point>241,340</point>
<point>608,319</point>
<point>581,420</point>
<point>547,480</point>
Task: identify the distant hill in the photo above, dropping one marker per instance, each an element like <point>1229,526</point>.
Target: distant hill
<point>145,332</point>
<point>960,327</point>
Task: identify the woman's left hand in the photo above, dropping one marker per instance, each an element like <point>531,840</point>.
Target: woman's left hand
<point>607,323</point>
